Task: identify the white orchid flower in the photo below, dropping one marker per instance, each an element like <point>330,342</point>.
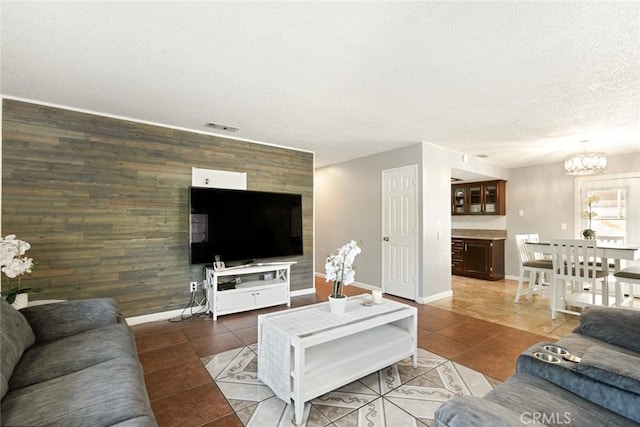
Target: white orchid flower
<point>339,268</point>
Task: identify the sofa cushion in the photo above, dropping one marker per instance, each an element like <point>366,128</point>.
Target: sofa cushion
<point>102,395</point>
<point>578,344</point>
<point>567,376</point>
<point>526,400</point>
<point>474,411</point>
<point>610,367</point>
<point>611,325</point>
<point>16,337</point>
<point>58,320</point>
<point>541,402</point>
<point>56,358</point>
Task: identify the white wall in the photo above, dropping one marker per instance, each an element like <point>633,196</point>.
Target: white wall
<point>1,235</point>
<point>435,271</point>
<point>481,222</point>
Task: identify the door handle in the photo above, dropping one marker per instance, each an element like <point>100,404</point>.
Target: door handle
<point>385,238</point>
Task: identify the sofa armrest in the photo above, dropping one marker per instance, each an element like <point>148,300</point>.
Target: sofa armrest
<point>467,411</point>
<point>611,367</point>
<point>54,321</point>
<point>616,326</point>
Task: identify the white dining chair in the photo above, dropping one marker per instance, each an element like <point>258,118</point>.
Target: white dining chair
<point>630,276</point>
<point>608,239</point>
<point>533,265</point>
<point>575,282</point>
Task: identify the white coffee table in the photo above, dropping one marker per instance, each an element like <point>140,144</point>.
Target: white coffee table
<point>306,352</point>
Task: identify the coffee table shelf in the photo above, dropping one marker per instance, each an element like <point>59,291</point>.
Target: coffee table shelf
<point>350,358</point>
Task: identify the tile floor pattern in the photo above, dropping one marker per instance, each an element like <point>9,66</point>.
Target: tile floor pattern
<point>399,395</point>
<point>479,327</point>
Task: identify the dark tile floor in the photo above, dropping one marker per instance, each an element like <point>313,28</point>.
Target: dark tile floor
<point>183,394</point>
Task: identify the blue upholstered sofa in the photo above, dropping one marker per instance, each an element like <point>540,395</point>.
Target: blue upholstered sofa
<point>72,363</point>
<point>600,388</point>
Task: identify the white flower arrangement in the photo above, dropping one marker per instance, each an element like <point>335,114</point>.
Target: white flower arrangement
<point>589,214</point>
<point>339,268</point>
<point>14,264</point>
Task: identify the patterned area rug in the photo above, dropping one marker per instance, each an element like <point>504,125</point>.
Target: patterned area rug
<point>398,395</point>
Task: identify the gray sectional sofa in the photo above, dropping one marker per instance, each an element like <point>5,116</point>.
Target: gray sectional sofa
<point>72,363</point>
<point>601,387</point>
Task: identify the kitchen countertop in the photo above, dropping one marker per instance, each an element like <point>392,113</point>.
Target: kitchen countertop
<point>477,237</point>
<point>477,233</point>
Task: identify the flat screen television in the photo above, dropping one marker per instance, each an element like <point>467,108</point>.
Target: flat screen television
<point>242,226</point>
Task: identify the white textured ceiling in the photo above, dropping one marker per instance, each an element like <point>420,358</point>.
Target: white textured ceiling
<point>520,82</point>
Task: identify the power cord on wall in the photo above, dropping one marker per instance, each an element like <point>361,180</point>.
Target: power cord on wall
<point>197,306</point>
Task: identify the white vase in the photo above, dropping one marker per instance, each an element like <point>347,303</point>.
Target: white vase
<point>337,305</point>
<point>21,301</point>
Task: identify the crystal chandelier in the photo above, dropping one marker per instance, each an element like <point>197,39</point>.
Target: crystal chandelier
<point>585,163</point>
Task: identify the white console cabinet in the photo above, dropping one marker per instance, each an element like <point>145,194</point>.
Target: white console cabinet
<point>249,294</point>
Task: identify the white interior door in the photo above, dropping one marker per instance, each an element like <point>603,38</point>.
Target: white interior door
<point>399,231</point>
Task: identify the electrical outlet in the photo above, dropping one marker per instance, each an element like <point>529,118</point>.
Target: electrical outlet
<point>193,286</point>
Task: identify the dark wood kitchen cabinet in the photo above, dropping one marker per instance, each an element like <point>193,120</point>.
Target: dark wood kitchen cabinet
<point>478,258</point>
<point>457,256</point>
<point>479,198</point>
<point>459,199</point>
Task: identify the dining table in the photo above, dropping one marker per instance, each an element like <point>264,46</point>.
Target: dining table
<point>609,252</point>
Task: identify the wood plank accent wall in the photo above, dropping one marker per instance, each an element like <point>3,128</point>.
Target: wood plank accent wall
<point>104,202</point>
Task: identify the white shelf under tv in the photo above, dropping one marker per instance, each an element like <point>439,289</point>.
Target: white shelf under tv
<point>250,294</point>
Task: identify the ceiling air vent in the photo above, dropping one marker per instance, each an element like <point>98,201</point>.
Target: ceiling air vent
<point>222,127</point>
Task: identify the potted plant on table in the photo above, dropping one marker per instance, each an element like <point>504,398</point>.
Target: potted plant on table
<point>14,264</point>
<point>588,213</point>
<point>339,269</point>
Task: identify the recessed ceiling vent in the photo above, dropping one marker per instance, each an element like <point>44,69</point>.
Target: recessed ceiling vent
<point>222,127</point>
<point>482,156</point>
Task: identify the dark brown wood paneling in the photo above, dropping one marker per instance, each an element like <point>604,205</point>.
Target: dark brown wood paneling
<point>103,202</point>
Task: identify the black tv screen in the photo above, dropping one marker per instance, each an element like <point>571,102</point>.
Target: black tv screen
<point>243,226</point>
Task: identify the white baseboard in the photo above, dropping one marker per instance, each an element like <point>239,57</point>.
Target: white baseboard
<point>356,284</point>
<point>435,297</point>
<point>366,286</point>
<point>163,315</point>
<point>299,292</point>
<point>166,315</point>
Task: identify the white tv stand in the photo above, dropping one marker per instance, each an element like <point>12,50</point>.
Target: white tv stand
<point>248,295</point>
